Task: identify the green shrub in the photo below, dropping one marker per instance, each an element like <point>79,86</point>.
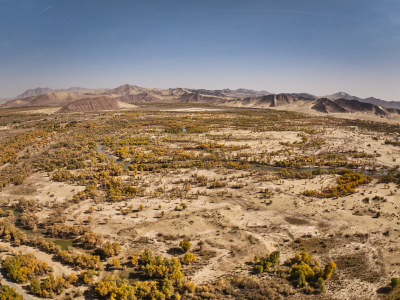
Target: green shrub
<point>185,245</point>
<point>394,282</point>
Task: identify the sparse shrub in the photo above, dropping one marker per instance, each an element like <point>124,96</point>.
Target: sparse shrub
<point>394,283</point>
<point>263,264</point>
<point>185,245</point>
<point>188,258</point>
<point>110,249</point>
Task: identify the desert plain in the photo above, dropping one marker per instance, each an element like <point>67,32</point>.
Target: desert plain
<point>189,202</point>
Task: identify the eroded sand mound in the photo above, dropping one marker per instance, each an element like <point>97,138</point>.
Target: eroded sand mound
<point>94,104</point>
<point>50,99</point>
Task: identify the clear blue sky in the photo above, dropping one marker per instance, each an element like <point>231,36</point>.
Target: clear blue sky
<point>316,46</point>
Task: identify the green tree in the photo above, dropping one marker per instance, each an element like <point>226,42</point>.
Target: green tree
<point>9,293</point>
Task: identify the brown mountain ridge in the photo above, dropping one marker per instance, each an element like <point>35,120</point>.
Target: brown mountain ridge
<point>112,99</point>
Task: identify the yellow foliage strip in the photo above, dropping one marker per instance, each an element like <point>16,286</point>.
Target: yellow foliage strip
<point>10,149</point>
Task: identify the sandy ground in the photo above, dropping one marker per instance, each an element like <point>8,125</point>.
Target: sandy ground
<point>40,110</point>
<point>40,187</point>
<point>125,105</point>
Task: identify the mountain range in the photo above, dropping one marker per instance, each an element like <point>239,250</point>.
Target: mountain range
<point>371,100</point>
<point>80,99</point>
<point>40,91</point>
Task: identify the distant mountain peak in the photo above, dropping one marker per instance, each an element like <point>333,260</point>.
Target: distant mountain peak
<point>41,91</point>
<point>342,95</point>
<point>35,92</point>
<point>125,89</point>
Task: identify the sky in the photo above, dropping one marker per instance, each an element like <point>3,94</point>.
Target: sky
<point>315,46</point>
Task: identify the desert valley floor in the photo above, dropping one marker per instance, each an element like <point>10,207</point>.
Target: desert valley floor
<point>198,202</point>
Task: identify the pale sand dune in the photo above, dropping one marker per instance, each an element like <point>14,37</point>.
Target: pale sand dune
<point>192,109</point>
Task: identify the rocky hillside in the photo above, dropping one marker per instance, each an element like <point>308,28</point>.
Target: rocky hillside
<point>323,105</point>
<point>326,105</point>
<point>273,100</point>
<point>371,100</point>
<point>383,103</point>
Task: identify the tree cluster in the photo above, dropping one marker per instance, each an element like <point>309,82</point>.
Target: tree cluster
<point>23,267</point>
<point>263,264</point>
<point>346,186</point>
<point>9,293</point>
<point>49,287</point>
<point>306,271</point>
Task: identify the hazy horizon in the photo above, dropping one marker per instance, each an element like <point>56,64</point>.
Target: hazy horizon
<point>317,47</point>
